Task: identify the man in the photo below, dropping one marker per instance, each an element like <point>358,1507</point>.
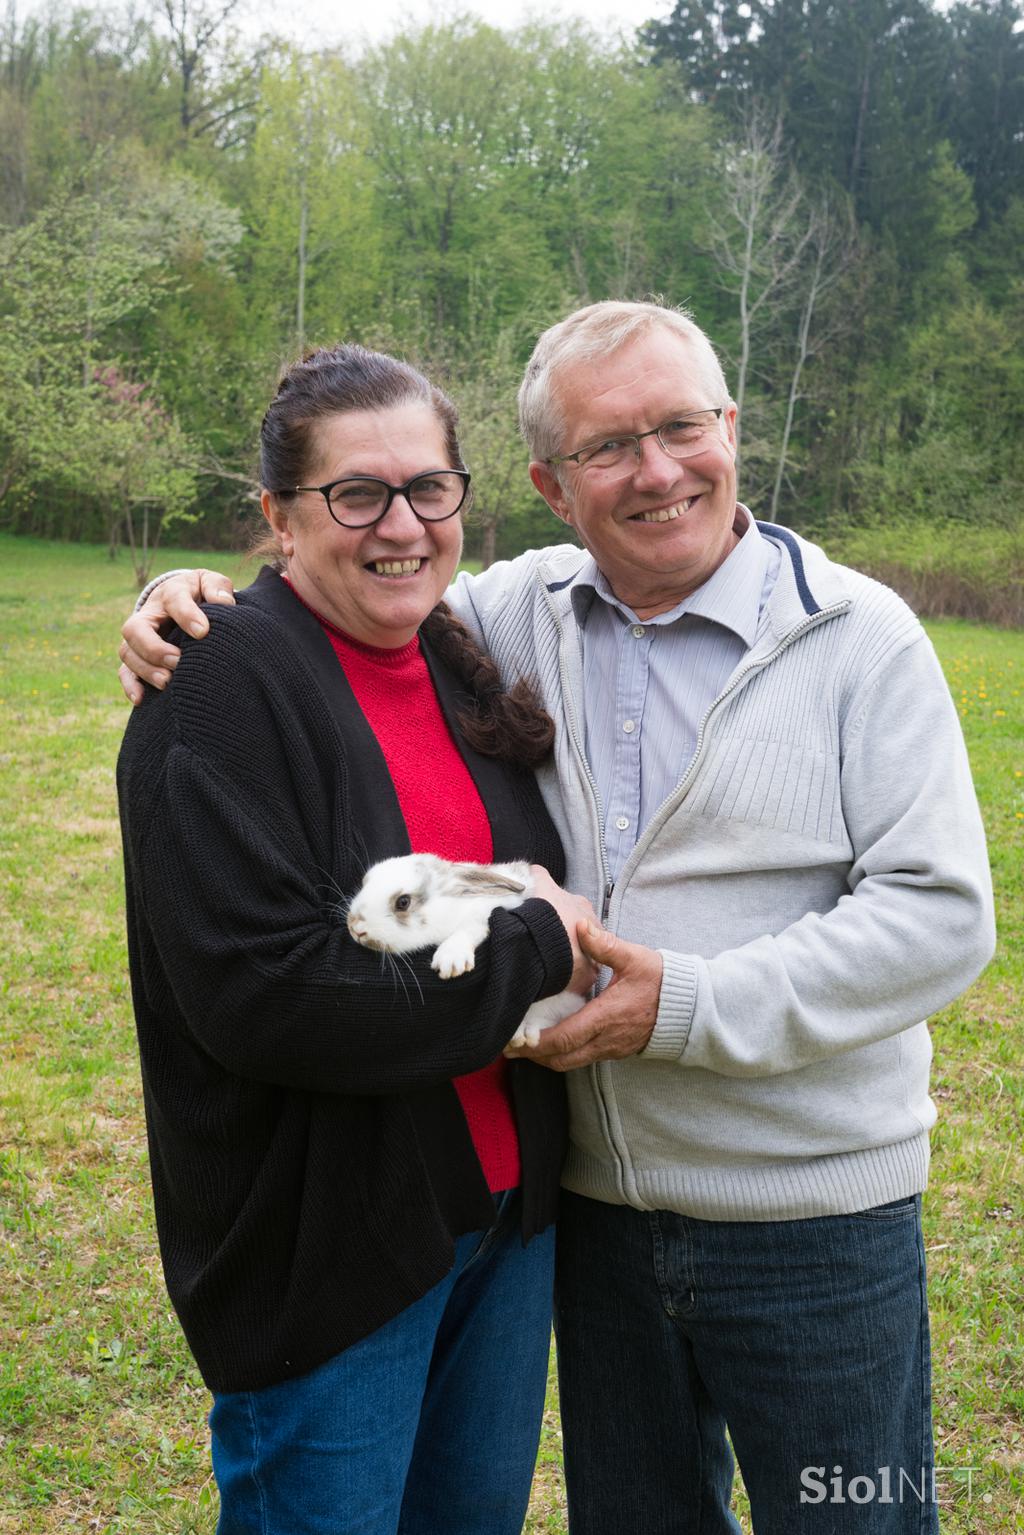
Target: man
<point>760,781</point>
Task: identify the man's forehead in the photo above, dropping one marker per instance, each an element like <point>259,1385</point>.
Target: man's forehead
<point>659,370</point>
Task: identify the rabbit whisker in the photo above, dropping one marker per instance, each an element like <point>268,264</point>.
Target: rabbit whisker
<point>395,961</point>
<point>412,971</point>
<point>387,968</point>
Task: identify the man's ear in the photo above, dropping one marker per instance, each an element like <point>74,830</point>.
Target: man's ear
<point>546,481</point>
<point>278,519</point>
<point>729,416</point>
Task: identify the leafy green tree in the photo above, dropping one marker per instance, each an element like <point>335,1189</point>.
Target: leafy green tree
<point>177,214</point>
<point>74,279</point>
<point>713,41</point>
<point>858,90</point>
<point>986,112</point>
<point>484,381</point>
<point>450,147</point>
<point>316,250</point>
<point>626,164</point>
<point>138,462</point>
<point>100,83</point>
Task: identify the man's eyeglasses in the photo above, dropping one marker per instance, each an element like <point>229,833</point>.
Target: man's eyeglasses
<point>358,501</point>
<point>682,437</point>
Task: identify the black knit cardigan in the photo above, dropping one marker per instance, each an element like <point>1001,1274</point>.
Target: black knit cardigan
<point>310,1159</point>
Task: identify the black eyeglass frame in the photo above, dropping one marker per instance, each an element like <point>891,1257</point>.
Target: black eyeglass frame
<point>392,490</point>
<point>636,438</point>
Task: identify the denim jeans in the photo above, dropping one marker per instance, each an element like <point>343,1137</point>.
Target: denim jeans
<point>429,1425</point>
<point>807,1339</point>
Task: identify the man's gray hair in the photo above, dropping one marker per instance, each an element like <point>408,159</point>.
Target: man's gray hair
<point>596,331</point>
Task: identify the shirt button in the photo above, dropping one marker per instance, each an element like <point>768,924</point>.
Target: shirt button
<point>629,726</point>
<point>638,631</point>
<point>622,822</point>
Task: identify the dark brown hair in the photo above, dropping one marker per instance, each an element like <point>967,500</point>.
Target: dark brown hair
<point>326,382</point>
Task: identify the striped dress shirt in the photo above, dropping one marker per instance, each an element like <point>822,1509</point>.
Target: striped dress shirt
<point>649,682</point>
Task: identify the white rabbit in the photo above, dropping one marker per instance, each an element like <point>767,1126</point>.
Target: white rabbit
<point>412,902</point>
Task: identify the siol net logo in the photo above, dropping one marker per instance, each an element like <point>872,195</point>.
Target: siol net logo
<point>887,1484</point>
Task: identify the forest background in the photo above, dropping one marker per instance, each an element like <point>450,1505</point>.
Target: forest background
<point>835,191</point>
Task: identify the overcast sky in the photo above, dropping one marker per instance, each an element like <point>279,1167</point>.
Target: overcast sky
<point>324,22</point>
<point>330,21</point>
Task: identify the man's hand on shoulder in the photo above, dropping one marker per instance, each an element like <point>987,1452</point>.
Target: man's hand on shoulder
<point>146,656</point>
<point>617,1023</point>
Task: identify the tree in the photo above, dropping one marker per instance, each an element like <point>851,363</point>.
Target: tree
<point>760,232</point>
<point>713,42</point>
<point>216,78</point>
<point>99,83</point>
<point>829,252</point>
<point>139,464</point>
<point>857,90</point>
<point>20,72</point>
<point>986,113</point>
<point>485,389</point>
<point>316,258</point>
<point>75,271</point>
<point>456,168</point>
<point>72,279</point>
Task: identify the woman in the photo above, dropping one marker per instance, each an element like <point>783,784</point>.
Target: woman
<point>354,1191</point>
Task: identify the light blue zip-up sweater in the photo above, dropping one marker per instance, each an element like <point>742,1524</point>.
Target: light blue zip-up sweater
<point>817,884</point>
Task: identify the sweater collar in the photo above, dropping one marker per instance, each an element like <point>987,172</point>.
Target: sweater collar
<point>730,597</point>
<point>808,583</point>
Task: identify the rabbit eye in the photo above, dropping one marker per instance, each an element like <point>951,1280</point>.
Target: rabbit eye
<point>403,902</point>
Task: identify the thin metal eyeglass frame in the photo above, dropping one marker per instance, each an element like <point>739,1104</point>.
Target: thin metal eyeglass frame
<point>636,438</point>
<point>392,490</point>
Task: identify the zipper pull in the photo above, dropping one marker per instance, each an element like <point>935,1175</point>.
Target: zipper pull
<point>606,902</point>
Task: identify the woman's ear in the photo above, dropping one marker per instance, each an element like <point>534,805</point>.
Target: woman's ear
<point>279,520</point>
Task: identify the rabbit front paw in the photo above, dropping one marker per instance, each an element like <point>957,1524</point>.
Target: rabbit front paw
<point>456,956</point>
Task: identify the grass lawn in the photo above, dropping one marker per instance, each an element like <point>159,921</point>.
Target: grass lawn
<point>102,1414</point>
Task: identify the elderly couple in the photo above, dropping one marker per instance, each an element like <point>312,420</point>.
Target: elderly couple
<point>746,761</point>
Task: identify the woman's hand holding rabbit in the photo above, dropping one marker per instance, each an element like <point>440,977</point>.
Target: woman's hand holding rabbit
<point>573,909</point>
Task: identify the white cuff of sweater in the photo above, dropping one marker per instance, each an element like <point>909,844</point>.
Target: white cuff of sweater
<point>151,586</point>
<point>676,1007</point>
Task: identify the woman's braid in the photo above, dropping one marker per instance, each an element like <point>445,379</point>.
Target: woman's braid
<point>510,724</point>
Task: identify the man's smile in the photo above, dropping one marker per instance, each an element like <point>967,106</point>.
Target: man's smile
<point>666,513</point>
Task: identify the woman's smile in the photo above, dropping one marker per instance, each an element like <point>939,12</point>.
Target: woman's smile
<point>376,583</point>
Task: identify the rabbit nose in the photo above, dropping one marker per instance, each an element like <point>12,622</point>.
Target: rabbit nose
<point>356,925</point>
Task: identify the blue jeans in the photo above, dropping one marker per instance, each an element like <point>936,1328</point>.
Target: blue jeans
<point>430,1424</point>
<point>807,1339</point>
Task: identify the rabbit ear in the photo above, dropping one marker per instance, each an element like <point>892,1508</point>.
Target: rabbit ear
<point>483,879</point>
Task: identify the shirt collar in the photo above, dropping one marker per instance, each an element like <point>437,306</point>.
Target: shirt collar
<point>731,596</point>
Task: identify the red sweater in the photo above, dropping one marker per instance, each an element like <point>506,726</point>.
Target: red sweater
<point>444,815</point>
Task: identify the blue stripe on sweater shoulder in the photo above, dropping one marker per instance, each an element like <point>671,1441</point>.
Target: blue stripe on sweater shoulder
<point>771,530</point>
<point>785,537</point>
<point>558,586</point>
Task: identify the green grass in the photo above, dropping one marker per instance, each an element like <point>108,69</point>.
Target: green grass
<point>102,1414</point>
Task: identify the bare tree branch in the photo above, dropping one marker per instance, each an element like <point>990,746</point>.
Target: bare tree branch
<point>831,243</point>
<point>759,237</point>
